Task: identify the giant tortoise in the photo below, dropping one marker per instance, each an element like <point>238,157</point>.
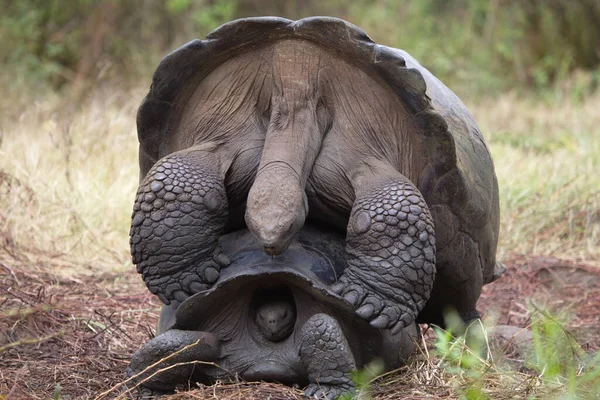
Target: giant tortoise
<point>268,123</point>
<point>270,319</point>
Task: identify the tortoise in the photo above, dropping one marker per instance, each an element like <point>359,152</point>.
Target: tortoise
<point>269,123</point>
<point>272,319</point>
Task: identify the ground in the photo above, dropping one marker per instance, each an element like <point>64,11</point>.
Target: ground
<point>72,337</point>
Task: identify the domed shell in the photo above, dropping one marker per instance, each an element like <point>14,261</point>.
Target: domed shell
<point>313,261</point>
<point>179,74</point>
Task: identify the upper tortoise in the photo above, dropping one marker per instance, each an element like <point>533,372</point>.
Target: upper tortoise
<point>289,121</point>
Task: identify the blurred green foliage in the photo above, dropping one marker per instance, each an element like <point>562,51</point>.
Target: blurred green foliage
<point>556,359</point>
<point>475,46</point>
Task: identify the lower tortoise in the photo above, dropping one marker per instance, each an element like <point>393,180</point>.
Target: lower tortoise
<point>273,319</point>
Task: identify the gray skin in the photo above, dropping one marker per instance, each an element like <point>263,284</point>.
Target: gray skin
<point>269,123</point>
<point>270,319</point>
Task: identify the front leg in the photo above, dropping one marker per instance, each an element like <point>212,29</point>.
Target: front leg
<point>176,354</point>
<point>390,248</point>
<point>327,357</point>
<point>179,213</point>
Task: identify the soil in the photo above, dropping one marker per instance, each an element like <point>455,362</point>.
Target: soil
<point>568,289</point>
<point>71,338</point>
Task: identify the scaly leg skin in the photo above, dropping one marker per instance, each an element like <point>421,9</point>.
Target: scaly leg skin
<point>203,346</point>
<point>326,355</point>
<point>391,249</point>
<point>179,213</point>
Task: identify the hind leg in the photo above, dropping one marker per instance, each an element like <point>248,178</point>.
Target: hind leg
<point>179,213</point>
<point>390,248</point>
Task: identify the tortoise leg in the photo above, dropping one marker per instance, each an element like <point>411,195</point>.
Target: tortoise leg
<point>179,213</point>
<point>203,346</point>
<point>398,347</point>
<point>326,355</point>
<point>390,247</point>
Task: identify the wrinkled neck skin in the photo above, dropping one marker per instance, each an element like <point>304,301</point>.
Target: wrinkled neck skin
<point>277,206</point>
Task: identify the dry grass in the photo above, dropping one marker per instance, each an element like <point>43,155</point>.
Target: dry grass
<point>68,175</point>
<point>74,337</point>
<point>547,158</point>
<point>68,335</point>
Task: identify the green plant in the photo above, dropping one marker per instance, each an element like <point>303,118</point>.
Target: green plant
<point>559,359</point>
<point>463,351</point>
<point>363,378</point>
<point>57,392</point>
<point>559,363</point>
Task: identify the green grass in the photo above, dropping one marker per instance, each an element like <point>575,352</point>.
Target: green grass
<point>557,366</point>
<point>467,362</point>
<point>547,158</point>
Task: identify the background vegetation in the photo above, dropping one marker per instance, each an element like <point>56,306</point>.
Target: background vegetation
<point>478,46</point>
<point>72,74</point>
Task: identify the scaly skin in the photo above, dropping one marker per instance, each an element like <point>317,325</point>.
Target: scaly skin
<point>203,347</point>
<point>323,351</point>
<point>179,213</point>
<point>391,251</point>
<point>326,355</point>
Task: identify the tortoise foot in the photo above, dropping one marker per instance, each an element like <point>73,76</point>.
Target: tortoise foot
<point>391,249</point>
<point>170,359</point>
<point>327,357</point>
<point>179,213</point>
<point>381,311</point>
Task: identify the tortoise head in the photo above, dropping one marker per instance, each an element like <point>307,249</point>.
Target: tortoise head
<point>276,210</point>
<point>274,313</point>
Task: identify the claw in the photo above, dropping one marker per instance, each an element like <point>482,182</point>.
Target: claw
<point>392,313</point>
<point>397,328</point>
<point>311,390</point>
<point>338,288</point>
<point>179,295</point>
<point>366,311</point>
<point>381,322</point>
<point>352,297</point>
<point>328,392</point>
<point>197,287</point>
<point>222,260</point>
<point>211,274</point>
<point>163,298</point>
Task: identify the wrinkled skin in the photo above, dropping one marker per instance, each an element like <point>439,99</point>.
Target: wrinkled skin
<point>310,120</point>
<point>257,324</point>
